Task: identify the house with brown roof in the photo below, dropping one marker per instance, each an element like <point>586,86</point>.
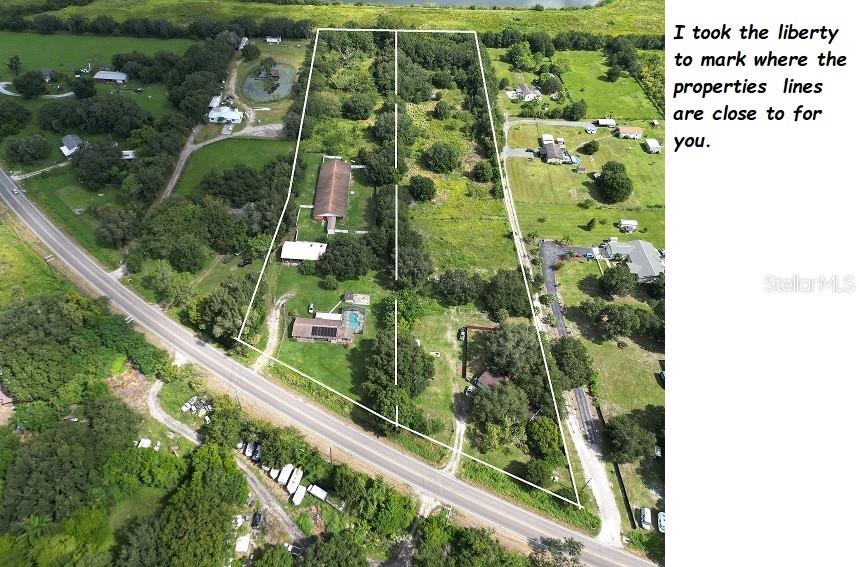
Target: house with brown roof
<point>488,379</point>
<point>332,192</point>
<point>321,329</point>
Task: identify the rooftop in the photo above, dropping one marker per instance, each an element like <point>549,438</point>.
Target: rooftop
<point>111,76</point>
<point>332,188</point>
<point>527,89</point>
<point>301,250</point>
<point>641,256</point>
<point>326,329</point>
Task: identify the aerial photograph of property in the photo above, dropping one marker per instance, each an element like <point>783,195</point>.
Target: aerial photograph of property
<point>324,283</point>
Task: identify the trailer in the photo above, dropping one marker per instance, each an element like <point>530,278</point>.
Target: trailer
<point>273,473</point>
<point>294,480</point>
<point>240,445</point>
<point>257,452</point>
<point>283,477</point>
<point>299,495</point>
<point>317,492</point>
<point>249,449</point>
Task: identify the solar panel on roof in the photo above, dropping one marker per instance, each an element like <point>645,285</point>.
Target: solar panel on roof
<point>323,331</point>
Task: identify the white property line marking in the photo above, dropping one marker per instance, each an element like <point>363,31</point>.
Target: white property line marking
<point>396,224</point>
<point>511,214</point>
<point>508,199</point>
<point>401,426</point>
<point>288,191</point>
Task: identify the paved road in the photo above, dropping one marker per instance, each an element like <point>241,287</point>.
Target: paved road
<point>389,461</point>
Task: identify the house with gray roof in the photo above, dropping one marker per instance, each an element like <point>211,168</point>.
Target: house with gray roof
<point>70,144</point>
<point>641,257</point>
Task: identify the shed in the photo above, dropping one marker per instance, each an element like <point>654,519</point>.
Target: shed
<point>547,139</point>
<point>5,399</point>
<point>629,132</point>
<point>243,43</point>
<point>328,316</point>
<point>652,145</point>
<point>215,102</point>
<point>300,251</point>
<point>273,39</point>
<point>627,225</point>
<point>294,480</point>
<point>284,475</point>
<point>117,77</point>
<point>356,298</point>
<point>128,154</point>
<point>606,122</point>
<point>332,189</point>
<point>273,473</point>
<point>70,144</point>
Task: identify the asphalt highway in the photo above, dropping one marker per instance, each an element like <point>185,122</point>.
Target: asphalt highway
<point>484,507</point>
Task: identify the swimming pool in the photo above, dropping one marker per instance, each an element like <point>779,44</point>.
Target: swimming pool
<point>354,320</point>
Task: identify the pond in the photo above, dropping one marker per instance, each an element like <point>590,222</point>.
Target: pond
<point>255,91</point>
<point>490,3</point>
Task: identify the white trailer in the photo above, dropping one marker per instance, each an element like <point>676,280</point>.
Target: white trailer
<point>299,495</point>
<point>294,480</point>
<point>317,492</point>
<point>273,473</point>
<point>283,477</point>
<point>249,449</point>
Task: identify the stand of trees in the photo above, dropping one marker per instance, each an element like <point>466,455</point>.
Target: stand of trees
<point>441,543</point>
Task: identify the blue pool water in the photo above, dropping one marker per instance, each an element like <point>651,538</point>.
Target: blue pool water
<point>354,320</point>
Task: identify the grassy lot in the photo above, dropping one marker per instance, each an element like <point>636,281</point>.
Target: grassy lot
<point>615,17</point>
<point>141,504</point>
<point>584,78</point>
<point>66,202</point>
<point>360,214</point>
<point>65,52</point>
<point>290,53</point>
<point>226,154</point>
<point>22,271</point>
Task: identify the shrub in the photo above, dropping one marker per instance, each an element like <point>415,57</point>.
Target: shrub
<point>422,188</point>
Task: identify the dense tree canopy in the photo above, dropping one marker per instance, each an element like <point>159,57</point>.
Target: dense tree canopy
<point>422,188</point>
<point>505,292</point>
<point>335,550</point>
<point>617,280</point>
<point>441,543</point>
<point>441,157</point>
<point>28,149</point>
<point>614,183</point>
<point>574,361</point>
<point>347,257</point>
<point>30,84</point>
<point>13,117</point>
<point>627,440</point>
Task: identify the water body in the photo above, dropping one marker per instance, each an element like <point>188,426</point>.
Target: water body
<point>489,3</point>
<point>254,89</point>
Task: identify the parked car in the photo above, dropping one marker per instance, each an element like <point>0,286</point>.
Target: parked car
<point>660,522</point>
<point>311,308</point>
<point>227,259</point>
<point>256,521</point>
<point>646,519</point>
<point>462,334</point>
<point>245,262</point>
<point>293,549</point>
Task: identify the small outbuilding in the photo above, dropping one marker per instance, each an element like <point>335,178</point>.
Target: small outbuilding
<point>116,77</point>
<point>70,144</point>
<point>627,225</point>
<point>356,298</point>
<point>273,39</point>
<point>243,43</point>
<point>629,132</point>
<point>652,145</point>
<point>301,251</point>
<point>215,102</point>
<point>606,123</point>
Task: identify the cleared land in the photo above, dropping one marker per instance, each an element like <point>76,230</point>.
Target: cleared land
<point>22,271</point>
<point>615,18</point>
<point>70,205</point>
<point>227,154</point>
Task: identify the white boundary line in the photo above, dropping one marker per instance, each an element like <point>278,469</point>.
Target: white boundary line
<point>288,191</point>
<point>508,205</point>
<point>396,224</point>
<point>401,426</point>
<point>508,198</point>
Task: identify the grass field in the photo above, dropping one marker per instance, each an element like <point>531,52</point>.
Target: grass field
<point>614,17</point>
<point>584,78</point>
<point>226,154</point>
<point>66,52</point>
<point>66,202</point>
<point>557,203</point>
<point>23,272</point>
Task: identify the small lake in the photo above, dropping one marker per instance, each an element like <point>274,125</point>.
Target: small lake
<point>254,88</point>
<point>489,3</point>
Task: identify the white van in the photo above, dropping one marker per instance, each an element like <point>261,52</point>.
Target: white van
<point>646,519</point>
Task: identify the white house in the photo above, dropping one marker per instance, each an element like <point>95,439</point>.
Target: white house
<point>225,115</point>
<point>243,43</point>
<point>300,251</point>
<point>128,154</point>
<point>652,145</point>
<point>528,93</point>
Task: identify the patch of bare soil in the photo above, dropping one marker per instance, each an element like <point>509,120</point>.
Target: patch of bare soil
<point>132,387</point>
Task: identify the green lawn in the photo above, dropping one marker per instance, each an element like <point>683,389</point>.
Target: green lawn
<point>615,18</point>
<point>360,214</point>
<point>226,154</point>
<point>141,504</point>
<point>23,272</point>
<point>584,78</point>
<point>67,203</point>
<point>66,52</point>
